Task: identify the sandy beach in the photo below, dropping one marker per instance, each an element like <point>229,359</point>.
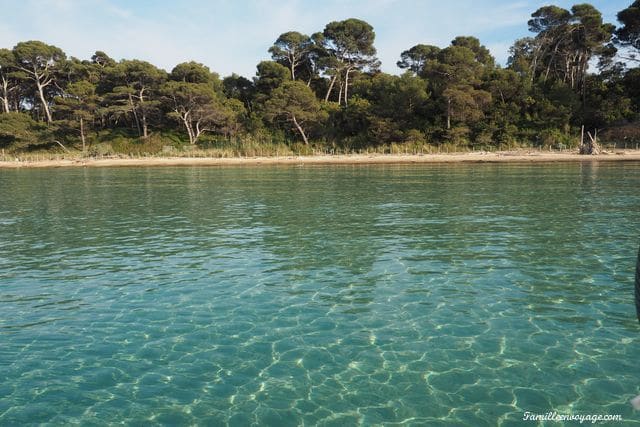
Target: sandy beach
<point>473,157</point>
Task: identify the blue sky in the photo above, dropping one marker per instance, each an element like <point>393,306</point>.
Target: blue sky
<point>233,36</point>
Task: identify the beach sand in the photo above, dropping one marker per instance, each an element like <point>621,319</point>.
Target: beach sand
<point>473,157</point>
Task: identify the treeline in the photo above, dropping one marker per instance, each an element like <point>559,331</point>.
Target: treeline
<point>326,90</point>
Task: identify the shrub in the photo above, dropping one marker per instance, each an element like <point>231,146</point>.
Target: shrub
<point>138,147</point>
<point>18,131</point>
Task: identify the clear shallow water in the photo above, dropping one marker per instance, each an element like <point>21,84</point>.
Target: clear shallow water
<point>423,295</point>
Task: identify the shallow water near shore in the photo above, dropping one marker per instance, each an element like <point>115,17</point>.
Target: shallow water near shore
<point>318,295</point>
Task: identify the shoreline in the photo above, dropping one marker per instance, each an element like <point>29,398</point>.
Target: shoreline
<point>343,159</point>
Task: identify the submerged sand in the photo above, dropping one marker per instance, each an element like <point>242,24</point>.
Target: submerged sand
<point>474,157</point>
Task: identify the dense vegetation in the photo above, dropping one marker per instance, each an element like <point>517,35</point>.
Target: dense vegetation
<point>325,92</point>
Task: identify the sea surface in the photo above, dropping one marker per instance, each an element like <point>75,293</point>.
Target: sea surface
<point>462,295</point>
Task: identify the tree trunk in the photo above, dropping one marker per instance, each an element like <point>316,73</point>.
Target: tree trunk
<point>583,76</point>
<point>340,94</point>
<point>135,114</point>
<point>346,85</point>
<point>551,61</point>
<point>198,132</point>
<point>145,126</point>
<point>569,71</point>
<point>592,147</point>
<point>45,106</point>
<point>60,144</point>
<point>84,144</point>
<point>5,95</point>
<point>534,63</point>
<point>333,81</point>
<point>192,138</point>
<point>448,113</point>
<point>304,137</point>
<point>292,61</point>
<point>188,127</point>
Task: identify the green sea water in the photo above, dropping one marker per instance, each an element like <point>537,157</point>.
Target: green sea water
<point>332,295</point>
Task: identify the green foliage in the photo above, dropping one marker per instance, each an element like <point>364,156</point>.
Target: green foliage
<point>39,62</point>
<point>631,85</point>
<point>348,47</point>
<point>270,75</point>
<point>481,53</point>
<point>19,131</point>
<point>455,77</point>
<point>350,39</point>
<point>138,147</point>
<point>295,104</point>
<point>102,60</point>
<point>199,108</point>
<point>77,108</point>
<point>325,93</point>
<point>564,44</point>
<point>194,72</point>
<point>629,33</point>
<point>415,58</point>
<point>240,88</point>
<point>556,138</point>
<point>295,51</point>
<point>37,55</point>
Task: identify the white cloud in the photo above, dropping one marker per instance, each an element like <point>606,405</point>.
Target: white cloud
<point>500,51</point>
<point>234,36</point>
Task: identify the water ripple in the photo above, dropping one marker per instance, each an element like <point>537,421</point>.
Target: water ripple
<point>395,295</point>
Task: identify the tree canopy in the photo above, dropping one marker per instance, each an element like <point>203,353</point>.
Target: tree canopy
<point>325,89</point>
<point>629,33</point>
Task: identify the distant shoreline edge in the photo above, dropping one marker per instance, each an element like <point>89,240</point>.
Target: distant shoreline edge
<point>348,159</point>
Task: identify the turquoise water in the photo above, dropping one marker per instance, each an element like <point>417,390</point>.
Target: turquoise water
<point>342,295</point>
